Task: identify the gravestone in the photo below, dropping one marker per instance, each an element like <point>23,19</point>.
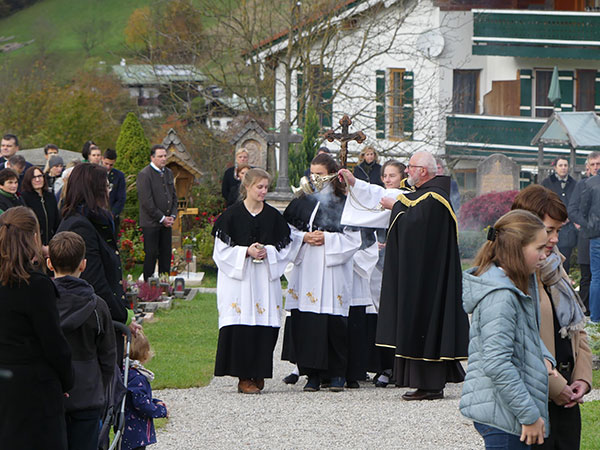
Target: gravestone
<point>253,138</point>
<point>497,173</point>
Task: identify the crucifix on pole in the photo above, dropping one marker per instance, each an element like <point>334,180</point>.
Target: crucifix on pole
<point>344,137</point>
<point>284,138</point>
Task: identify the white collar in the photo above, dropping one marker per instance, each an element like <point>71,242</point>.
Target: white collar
<point>156,168</point>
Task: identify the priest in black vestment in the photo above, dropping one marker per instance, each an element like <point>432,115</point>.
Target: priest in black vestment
<point>421,315</point>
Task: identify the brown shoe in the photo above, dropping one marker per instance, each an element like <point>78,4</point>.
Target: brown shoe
<point>421,394</point>
<point>259,382</point>
<point>247,386</point>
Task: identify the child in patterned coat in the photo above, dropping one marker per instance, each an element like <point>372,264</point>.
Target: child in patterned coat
<point>140,407</point>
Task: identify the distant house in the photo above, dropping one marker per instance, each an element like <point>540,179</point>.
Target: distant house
<point>462,78</point>
<point>157,86</point>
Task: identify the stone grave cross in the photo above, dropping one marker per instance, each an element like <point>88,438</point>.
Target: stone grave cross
<point>344,137</point>
<point>284,138</point>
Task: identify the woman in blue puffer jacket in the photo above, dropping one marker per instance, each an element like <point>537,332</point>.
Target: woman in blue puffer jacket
<point>506,387</point>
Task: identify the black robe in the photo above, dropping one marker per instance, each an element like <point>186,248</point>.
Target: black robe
<point>421,315</point>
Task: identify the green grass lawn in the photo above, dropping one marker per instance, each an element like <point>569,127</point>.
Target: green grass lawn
<point>590,431</point>
<point>184,340</point>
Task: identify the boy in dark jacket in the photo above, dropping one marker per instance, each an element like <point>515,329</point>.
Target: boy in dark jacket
<point>87,325</point>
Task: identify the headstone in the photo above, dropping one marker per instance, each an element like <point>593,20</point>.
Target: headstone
<point>254,139</point>
<point>497,173</point>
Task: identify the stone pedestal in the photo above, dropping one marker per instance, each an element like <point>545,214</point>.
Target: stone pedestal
<point>279,200</point>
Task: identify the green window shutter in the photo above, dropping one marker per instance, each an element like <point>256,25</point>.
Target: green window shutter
<point>300,99</point>
<point>525,107</point>
<point>408,111</point>
<point>380,104</point>
<point>326,98</point>
<point>597,93</point>
<point>566,80</point>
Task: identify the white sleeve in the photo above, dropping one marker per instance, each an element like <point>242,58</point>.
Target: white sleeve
<point>340,247</point>
<point>362,205</point>
<point>365,260</point>
<point>278,260</point>
<point>230,260</point>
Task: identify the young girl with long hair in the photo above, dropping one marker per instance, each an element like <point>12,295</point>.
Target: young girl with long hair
<point>506,387</point>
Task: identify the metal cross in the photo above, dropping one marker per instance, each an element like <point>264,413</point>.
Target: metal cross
<point>284,138</point>
<point>344,137</point>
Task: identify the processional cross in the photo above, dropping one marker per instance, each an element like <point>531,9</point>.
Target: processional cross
<point>344,137</point>
<point>284,138</point>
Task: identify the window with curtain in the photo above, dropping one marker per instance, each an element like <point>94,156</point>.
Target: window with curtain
<point>465,86</point>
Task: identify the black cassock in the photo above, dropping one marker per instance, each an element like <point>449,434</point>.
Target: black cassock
<point>421,315</point>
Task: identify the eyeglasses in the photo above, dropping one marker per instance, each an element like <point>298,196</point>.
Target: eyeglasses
<point>408,167</point>
<point>37,177</point>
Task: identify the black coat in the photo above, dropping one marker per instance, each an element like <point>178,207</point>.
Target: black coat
<point>230,187</point>
<point>371,173</point>
<point>103,269</point>
<point>118,191</point>
<point>88,327</point>
<point>34,349</point>
<point>46,211</point>
<point>7,201</point>
<point>568,233</point>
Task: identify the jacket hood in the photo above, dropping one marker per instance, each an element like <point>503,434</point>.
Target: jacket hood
<point>76,302</point>
<point>475,288</point>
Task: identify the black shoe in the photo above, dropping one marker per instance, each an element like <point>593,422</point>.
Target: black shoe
<point>325,383</point>
<point>421,394</point>
<point>292,378</point>
<point>313,384</point>
<point>380,384</point>
<point>352,384</point>
<point>337,384</point>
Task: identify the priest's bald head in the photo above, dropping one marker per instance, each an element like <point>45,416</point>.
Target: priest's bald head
<point>421,168</point>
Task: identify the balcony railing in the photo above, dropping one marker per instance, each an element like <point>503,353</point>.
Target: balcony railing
<point>472,136</point>
<point>546,34</point>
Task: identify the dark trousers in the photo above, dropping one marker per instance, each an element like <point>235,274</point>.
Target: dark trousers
<point>357,344</point>
<point>584,286</point>
<point>83,428</point>
<point>566,251</point>
<point>157,245</point>
<point>565,428</point>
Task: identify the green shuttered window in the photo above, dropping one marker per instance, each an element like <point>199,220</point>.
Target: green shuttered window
<point>400,104</point>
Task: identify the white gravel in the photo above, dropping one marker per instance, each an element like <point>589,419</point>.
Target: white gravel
<point>283,416</point>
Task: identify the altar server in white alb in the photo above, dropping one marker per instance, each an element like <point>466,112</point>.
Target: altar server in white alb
<point>363,208</point>
<point>319,290</point>
<point>252,248</point>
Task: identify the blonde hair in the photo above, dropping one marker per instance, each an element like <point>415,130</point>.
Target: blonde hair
<point>361,156</point>
<point>252,177</point>
<point>242,150</point>
<point>511,233</point>
<point>140,348</point>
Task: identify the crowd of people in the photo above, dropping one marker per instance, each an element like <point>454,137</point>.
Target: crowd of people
<point>61,291</point>
<point>374,285</point>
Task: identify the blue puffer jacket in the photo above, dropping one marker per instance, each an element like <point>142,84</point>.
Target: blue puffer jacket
<point>507,381</point>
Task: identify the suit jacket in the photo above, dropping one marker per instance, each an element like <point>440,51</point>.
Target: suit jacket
<point>156,195</point>
<point>117,196</point>
<point>103,269</point>
<point>582,354</point>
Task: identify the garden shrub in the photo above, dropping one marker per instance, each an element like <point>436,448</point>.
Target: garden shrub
<point>469,242</point>
<point>485,210</point>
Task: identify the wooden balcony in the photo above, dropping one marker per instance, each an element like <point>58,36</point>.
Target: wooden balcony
<point>536,34</point>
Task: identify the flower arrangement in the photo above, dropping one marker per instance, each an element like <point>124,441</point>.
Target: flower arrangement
<point>131,244</point>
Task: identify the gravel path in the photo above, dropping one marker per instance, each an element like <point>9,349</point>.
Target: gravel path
<point>283,416</point>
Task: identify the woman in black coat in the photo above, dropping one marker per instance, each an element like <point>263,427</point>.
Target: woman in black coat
<point>35,358</point>
<point>85,212</point>
<point>368,168</point>
<point>43,203</point>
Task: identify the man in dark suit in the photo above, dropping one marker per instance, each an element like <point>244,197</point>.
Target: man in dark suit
<point>158,210</point>
<point>563,184</point>
<point>116,186</point>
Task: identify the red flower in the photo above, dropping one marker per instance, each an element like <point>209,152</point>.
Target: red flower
<point>204,213</point>
<point>196,218</point>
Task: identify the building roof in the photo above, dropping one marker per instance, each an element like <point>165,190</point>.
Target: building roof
<point>147,74</point>
<point>576,129</point>
<point>36,156</point>
<point>251,125</point>
<point>177,153</point>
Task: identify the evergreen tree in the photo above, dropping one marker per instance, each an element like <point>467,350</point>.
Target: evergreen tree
<point>133,154</point>
<point>301,155</point>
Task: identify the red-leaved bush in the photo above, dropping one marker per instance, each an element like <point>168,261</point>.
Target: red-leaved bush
<point>484,210</point>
